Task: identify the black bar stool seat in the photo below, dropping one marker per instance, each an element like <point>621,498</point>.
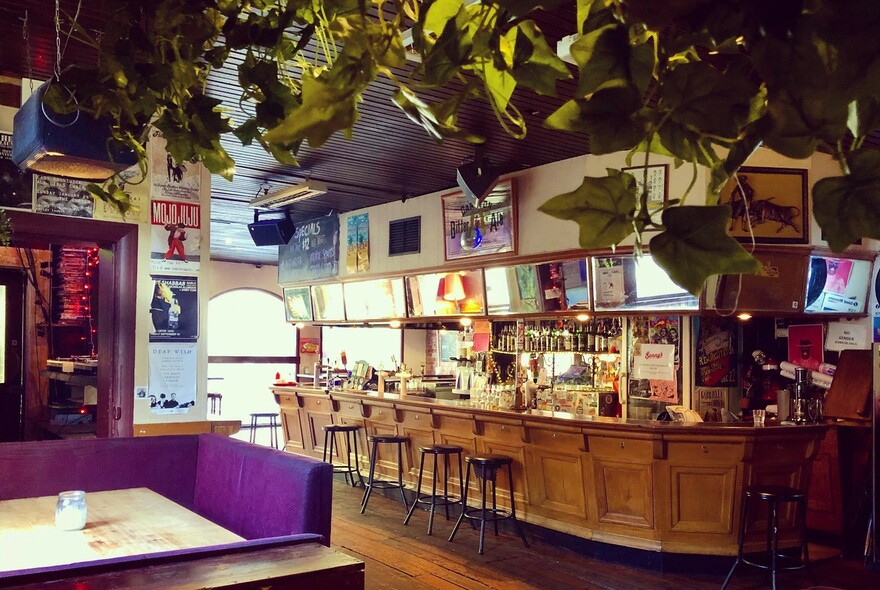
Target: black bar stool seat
<point>350,431</point>
<point>434,499</point>
<point>486,468</point>
<point>272,417</point>
<point>384,484</point>
<point>770,558</point>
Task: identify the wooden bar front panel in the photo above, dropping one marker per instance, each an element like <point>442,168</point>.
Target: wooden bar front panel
<point>655,486</point>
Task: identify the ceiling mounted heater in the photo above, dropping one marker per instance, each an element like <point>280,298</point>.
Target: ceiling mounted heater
<point>74,145</point>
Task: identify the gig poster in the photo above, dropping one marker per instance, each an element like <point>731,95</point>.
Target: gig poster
<point>716,352</point>
<point>357,255</point>
<point>806,346</point>
<point>63,196</point>
<point>170,179</point>
<point>175,236</point>
<point>174,309</point>
<point>651,331</point>
<point>129,181</point>
<point>16,187</point>
<point>173,378</point>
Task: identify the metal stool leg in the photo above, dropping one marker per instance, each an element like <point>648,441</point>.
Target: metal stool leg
<point>513,509</point>
<point>357,458</point>
<point>253,438</point>
<point>446,485</point>
<point>483,513</point>
<point>742,535</point>
<point>433,496</point>
<point>774,549</point>
<point>418,491</point>
<point>274,434</point>
<point>400,474</point>
<point>467,479</point>
<point>368,489</point>
<point>495,504</point>
<point>326,442</point>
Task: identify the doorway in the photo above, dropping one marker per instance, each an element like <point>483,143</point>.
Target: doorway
<point>11,346</point>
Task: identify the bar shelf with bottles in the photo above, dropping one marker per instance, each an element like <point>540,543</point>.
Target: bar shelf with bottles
<point>568,365</point>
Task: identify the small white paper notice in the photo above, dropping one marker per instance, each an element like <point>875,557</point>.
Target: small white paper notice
<point>844,335</point>
<point>654,361</point>
<point>611,291</point>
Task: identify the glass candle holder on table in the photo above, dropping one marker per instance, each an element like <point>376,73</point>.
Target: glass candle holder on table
<point>70,510</point>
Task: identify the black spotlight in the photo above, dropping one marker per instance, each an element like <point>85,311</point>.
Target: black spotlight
<point>477,178</point>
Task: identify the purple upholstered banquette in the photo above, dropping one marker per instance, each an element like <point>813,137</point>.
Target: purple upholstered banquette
<point>255,492</point>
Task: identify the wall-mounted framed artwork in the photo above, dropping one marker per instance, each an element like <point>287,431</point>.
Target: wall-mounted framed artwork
<point>471,230</point>
<point>771,202</point>
<point>297,304</point>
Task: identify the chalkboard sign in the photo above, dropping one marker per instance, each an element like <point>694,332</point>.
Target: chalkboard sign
<point>313,251</point>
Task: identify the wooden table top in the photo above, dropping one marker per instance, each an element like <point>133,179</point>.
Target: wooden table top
<point>120,523</point>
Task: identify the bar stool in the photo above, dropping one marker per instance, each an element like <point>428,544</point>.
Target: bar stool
<point>382,484</point>
<point>773,495</point>
<point>216,400</point>
<point>273,426</point>
<point>434,499</point>
<point>330,431</point>
<point>486,468</point>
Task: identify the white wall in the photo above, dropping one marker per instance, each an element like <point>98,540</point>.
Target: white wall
<point>227,276</point>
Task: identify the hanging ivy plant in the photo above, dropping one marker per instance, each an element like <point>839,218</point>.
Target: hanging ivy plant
<point>704,82</point>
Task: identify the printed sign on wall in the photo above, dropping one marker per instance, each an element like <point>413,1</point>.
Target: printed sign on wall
<point>175,236</point>
<point>173,378</point>
<point>170,179</point>
<point>62,196</point>
<point>174,309</point>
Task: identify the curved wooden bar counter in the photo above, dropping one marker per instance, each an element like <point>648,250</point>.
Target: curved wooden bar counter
<point>656,486</point>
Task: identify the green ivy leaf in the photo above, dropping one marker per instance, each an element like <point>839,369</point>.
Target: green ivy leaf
<point>606,116</point>
<point>438,120</point>
<point>450,52</point>
<point>702,98</point>
<point>325,110</point>
<point>848,207</point>
<point>722,170</point>
<point>535,64</point>
<point>602,56</point>
<point>695,245</point>
<point>602,207</point>
<point>864,116</point>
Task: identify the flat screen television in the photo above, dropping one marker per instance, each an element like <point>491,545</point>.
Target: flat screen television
<point>327,302</point>
<point>837,285</point>
<point>624,282</point>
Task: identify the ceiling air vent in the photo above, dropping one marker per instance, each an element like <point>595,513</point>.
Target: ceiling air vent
<point>405,236</point>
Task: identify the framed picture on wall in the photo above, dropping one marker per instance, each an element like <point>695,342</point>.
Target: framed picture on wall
<point>471,230</point>
<point>769,203</point>
<point>297,304</point>
<point>657,177</point>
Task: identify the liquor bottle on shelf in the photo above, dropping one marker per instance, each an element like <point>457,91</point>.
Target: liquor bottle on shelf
<point>591,337</point>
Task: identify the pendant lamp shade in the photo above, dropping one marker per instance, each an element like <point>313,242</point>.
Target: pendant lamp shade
<point>74,145</point>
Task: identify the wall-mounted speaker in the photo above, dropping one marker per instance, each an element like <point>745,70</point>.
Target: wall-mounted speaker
<point>271,232</point>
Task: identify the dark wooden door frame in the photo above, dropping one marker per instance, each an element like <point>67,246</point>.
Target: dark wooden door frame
<point>117,293</point>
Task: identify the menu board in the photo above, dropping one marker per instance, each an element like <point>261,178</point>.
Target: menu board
<point>312,252</point>
<point>374,300</point>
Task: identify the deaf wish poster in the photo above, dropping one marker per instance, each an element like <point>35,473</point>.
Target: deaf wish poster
<point>174,309</point>
<point>170,179</point>
<point>173,378</point>
<point>175,236</point>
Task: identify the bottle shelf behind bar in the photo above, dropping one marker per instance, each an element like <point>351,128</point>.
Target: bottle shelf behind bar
<point>593,336</point>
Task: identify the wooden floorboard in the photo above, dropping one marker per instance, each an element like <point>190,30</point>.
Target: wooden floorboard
<point>399,557</point>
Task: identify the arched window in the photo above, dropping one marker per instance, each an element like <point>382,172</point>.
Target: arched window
<point>248,342</point>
